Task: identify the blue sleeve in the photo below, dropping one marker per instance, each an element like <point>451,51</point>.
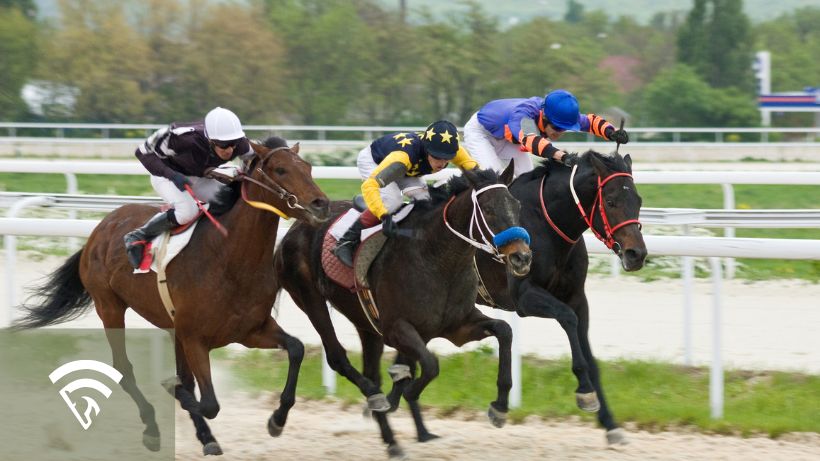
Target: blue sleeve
<point>528,109</point>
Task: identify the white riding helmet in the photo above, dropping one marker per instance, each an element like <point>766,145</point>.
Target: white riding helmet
<point>223,125</point>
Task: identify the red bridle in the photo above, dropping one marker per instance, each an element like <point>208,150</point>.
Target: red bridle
<point>608,240</point>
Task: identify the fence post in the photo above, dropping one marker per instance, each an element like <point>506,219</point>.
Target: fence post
<point>716,370</point>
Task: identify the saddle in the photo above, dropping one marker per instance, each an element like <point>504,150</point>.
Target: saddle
<point>355,278</point>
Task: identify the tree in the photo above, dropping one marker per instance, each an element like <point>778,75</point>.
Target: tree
<point>715,42</point>
<point>18,54</point>
<point>27,7</point>
<point>680,97</point>
<point>575,12</point>
<point>99,54</point>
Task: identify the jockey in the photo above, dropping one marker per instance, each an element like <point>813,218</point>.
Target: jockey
<point>179,155</point>
<point>496,133</point>
<point>392,165</point>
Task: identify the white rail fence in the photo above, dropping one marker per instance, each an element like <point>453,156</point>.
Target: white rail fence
<point>687,246</point>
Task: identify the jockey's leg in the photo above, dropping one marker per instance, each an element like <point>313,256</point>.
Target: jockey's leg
<point>136,239</point>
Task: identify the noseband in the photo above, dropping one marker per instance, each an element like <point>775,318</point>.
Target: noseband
<point>291,200</point>
<point>607,239</point>
<point>498,240</point>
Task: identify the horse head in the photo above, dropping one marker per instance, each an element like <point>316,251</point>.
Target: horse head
<point>615,222</point>
<point>281,182</point>
<point>496,212</point>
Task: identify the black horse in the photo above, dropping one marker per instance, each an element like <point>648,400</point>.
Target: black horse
<point>558,205</point>
<point>424,287</point>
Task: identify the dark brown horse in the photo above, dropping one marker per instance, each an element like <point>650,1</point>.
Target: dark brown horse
<point>223,289</point>
<point>557,205</point>
<point>424,287</point>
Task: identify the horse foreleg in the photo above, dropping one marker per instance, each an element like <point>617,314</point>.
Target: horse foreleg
<point>404,337</point>
<point>184,392</point>
<point>196,355</point>
<point>614,434</point>
<point>478,327</point>
<point>270,336</point>
<point>538,302</point>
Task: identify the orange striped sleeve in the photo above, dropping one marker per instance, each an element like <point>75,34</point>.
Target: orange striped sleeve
<point>598,125</point>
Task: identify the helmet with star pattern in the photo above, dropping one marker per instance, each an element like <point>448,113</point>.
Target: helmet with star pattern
<point>440,140</point>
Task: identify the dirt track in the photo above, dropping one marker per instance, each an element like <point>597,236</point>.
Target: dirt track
<point>327,431</point>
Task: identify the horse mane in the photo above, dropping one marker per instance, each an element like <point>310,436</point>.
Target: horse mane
<point>229,194</point>
<point>458,184</point>
<point>613,161</point>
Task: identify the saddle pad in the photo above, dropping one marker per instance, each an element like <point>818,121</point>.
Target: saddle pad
<point>335,269</point>
<point>176,243</point>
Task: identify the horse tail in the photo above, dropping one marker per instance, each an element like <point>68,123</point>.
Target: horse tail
<point>64,294</point>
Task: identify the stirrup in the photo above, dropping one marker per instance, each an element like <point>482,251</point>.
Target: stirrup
<point>344,248</point>
<point>135,252</point>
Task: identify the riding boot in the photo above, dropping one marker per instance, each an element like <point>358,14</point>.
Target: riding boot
<point>136,239</point>
<point>346,246</point>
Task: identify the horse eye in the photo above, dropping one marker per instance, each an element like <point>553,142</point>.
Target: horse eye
<point>610,203</point>
<point>279,170</point>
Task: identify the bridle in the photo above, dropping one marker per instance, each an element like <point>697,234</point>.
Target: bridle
<point>607,239</point>
<point>272,186</point>
<point>491,244</point>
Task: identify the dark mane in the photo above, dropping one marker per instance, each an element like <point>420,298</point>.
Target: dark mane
<point>614,162</point>
<point>229,194</point>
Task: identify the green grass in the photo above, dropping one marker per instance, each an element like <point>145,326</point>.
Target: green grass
<point>659,196</point>
<point>651,395</point>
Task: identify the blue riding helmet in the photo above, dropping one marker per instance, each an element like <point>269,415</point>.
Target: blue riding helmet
<point>561,108</point>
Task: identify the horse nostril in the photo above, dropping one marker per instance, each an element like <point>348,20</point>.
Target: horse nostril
<point>632,254</point>
<point>521,259</point>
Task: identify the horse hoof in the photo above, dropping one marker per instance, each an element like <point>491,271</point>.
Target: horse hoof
<point>398,372</point>
<point>378,402</point>
<point>274,429</point>
<point>427,437</point>
<point>151,442</point>
<point>497,417</point>
<point>588,402</point>
<point>170,384</point>
<point>616,436</point>
<point>211,448</point>
<point>394,451</point>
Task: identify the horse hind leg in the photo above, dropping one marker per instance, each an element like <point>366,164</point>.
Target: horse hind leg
<point>182,388</point>
<point>112,314</point>
<point>272,336</point>
<point>196,356</point>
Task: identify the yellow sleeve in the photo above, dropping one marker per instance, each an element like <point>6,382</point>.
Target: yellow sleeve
<point>464,160</point>
<point>371,185</point>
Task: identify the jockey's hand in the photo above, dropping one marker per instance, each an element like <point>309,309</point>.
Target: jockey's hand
<point>225,175</point>
<point>619,136</point>
<point>569,159</point>
<point>389,228</point>
<point>180,180</point>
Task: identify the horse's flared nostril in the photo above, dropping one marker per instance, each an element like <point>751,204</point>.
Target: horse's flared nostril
<point>320,207</point>
<point>634,258</point>
<point>520,261</point>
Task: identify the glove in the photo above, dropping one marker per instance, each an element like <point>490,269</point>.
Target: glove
<point>569,159</point>
<point>389,228</point>
<point>180,180</point>
<point>619,136</point>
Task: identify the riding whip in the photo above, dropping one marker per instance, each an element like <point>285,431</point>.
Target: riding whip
<point>617,144</point>
<point>219,227</point>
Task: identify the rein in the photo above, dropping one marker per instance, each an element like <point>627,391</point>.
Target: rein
<point>485,243</point>
<point>291,200</point>
<point>607,239</point>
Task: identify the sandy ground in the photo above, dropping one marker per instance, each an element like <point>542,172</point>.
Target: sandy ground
<point>322,431</point>
<point>768,325</point>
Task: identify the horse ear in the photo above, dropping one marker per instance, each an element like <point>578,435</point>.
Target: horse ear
<point>258,148</point>
<point>600,169</point>
<point>295,148</point>
<point>507,175</point>
<point>470,176</point>
<point>628,161</point>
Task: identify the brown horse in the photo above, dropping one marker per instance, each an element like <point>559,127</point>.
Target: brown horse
<point>424,287</point>
<point>223,289</point>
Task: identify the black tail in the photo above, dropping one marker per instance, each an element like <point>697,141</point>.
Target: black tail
<point>64,296</point>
